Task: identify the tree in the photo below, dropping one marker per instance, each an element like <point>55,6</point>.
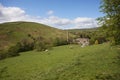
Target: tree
<point>41,44</point>
<point>111,20</point>
<point>60,41</point>
<point>14,50</point>
<point>26,45</point>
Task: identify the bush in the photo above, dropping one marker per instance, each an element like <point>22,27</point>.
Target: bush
<point>112,41</point>
<point>26,45</point>
<point>11,52</point>
<point>96,42</point>
<point>2,54</point>
<point>14,50</point>
<point>60,41</point>
<point>42,44</point>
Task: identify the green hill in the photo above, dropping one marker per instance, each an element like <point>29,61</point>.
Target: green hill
<point>13,32</point>
<point>97,62</point>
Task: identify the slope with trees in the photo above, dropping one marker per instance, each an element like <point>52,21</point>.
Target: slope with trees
<point>18,37</point>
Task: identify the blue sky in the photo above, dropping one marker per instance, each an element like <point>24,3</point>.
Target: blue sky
<point>57,13</point>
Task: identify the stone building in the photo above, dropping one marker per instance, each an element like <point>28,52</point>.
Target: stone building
<point>82,41</point>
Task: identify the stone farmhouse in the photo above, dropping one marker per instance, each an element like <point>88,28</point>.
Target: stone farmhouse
<point>82,41</point>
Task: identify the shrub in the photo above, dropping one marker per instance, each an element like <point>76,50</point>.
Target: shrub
<point>59,41</point>
<point>26,45</point>
<point>2,54</point>
<point>11,52</point>
<point>96,42</point>
<point>14,50</point>
<point>112,41</point>
<point>42,44</point>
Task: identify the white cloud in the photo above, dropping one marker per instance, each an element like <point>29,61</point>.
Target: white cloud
<point>50,12</point>
<point>10,14</point>
<point>84,22</point>
<point>56,21</point>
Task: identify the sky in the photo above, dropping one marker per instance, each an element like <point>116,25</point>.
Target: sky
<point>62,14</point>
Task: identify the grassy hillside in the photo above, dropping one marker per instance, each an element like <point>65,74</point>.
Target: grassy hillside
<point>97,62</point>
<point>15,31</point>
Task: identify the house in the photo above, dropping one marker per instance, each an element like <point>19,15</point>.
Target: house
<point>82,41</point>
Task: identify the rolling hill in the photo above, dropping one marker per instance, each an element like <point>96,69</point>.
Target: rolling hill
<point>13,32</point>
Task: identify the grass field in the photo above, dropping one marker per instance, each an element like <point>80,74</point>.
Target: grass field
<point>97,62</point>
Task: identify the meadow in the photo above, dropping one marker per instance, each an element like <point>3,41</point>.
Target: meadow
<point>69,62</point>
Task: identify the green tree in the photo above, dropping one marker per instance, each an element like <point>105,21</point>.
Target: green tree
<point>3,54</point>
<point>14,50</point>
<point>42,44</point>
<point>60,41</point>
<point>111,21</point>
